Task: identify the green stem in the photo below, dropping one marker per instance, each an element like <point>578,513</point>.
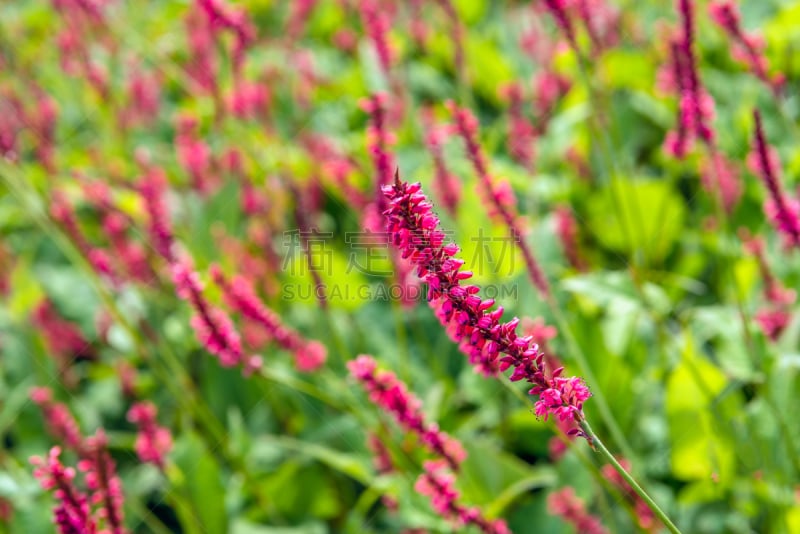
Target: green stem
<point>601,448</point>
<point>583,367</point>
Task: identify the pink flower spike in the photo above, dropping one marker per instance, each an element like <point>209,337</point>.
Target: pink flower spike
<point>72,513</point>
<point>569,507</point>
<point>391,394</point>
<point>784,212</point>
<point>58,418</point>
<point>438,484</point>
<point>749,49</point>
<point>491,346</point>
<point>153,442</point>
<point>212,326</point>
<point>240,295</point>
<point>499,196</point>
<point>102,480</point>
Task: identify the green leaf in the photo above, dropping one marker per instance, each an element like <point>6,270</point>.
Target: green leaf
<point>202,483</point>
<point>701,449</point>
<point>639,216</point>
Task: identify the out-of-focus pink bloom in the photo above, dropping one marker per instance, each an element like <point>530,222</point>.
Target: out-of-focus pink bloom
<point>521,133</point>
<point>153,187</point>
<point>249,100</point>
<point>601,21</point>
<point>143,97</point>
<point>720,176</point>
<point>446,186</point>
<point>644,516</point>
<point>559,10</point>
<point>239,294</point>
<point>438,484</point>
<point>194,154</point>
<point>212,326</point>
<point>776,315</point>
<point>747,48</point>
<point>222,16</point>
<point>301,11</point>
<point>377,22</point>
<point>61,210</point>
<point>784,212</point>
<point>72,514</point>
<point>696,107</point>
<point>64,339</point>
<point>12,122</point>
<point>153,442</point>
<point>383,464</point>
<point>129,255</point>
<point>567,231</point>
<point>415,233</point>
<point>60,423</point>
<point>203,65</point>
<point>569,507</point>
<point>498,196</point>
<point>127,378</point>
<point>43,123</point>
<point>773,322</point>
<point>345,40</point>
<point>100,474</point>
<point>390,393</point>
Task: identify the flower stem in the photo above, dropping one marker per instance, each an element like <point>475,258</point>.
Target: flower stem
<point>601,448</point>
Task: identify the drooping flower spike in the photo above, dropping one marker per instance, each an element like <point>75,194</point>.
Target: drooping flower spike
<point>695,105</point>
<point>783,211</point>
<point>569,507</point>
<point>213,327</point>
<point>491,346</point>
<point>391,394</point>
<point>153,442</point>
<point>438,484</point>
<point>239,294</point>
<point>499,196</point>
<point>72,514</point>
<point>747,48</point>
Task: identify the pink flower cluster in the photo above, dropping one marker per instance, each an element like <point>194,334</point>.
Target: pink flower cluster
<point>213,327</point>
<point>696,107</point>
<point>60,423</point>
<point>720,176</point>
<point>194,154</point>
<point>391,394</point>
<point>521,133</point>
<point>101,479</point>
<point>239,294</point>
<point>600,20</point>
<point>491,346</point>
<point>72,514</point>
<point>61,210</point>
<point>446,186</point>
<point>153,442</point>
<point>153,187</point>
<point>64,339</point>
<point>378,141</point>
<point>99,510</point>
<point>783,211</point>
<point>222,16</point>
<point>569,507</point>
<point>776,315</point>
<point>438,484</point>
<point>747,48</point>
<point>377,23</point>
<point>500,197</point>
